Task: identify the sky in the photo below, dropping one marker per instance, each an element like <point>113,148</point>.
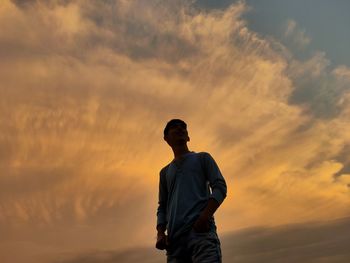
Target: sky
<point>86,88</point>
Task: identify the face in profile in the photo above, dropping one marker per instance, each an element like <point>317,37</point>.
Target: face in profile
<point>177,135</point>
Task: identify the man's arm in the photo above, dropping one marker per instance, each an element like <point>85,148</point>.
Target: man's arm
<point>202,222</point>
<point>219,190</point>
<point>161,212</point>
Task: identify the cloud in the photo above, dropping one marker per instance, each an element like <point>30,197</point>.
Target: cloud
<point>319,89</point>
<point>296,35</point>
<point>326,242</point>
<point>132,255</point>
<point>291,243</point>
<point>342,72</point>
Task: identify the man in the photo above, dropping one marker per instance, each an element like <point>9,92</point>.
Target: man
<point>191,188</point>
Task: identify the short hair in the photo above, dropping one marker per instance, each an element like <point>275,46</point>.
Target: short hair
<point>172,123</point>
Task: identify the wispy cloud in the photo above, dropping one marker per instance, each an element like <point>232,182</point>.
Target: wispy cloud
<point>321,90</point>
<point>295,34</point>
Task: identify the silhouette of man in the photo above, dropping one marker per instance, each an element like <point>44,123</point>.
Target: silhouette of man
<point>191,188</point>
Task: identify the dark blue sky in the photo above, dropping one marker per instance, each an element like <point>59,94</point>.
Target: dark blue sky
<point>325,22</point>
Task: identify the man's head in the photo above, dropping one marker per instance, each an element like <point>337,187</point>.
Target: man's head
<point>175,132</point>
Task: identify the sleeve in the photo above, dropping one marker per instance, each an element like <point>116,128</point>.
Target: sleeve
<point>216,180</point>
<point>162,200</point>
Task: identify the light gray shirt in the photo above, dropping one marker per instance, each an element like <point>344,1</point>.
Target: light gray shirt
<point>185,187</point>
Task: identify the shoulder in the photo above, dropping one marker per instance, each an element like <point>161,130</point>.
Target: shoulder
<point>204,155</point>
<point>206,158</point>
<point>164,169</point>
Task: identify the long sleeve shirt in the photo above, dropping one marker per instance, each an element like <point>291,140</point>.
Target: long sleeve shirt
<point>185,187</point>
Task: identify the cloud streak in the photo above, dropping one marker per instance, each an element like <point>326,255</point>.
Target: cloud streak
<point>296,35</point>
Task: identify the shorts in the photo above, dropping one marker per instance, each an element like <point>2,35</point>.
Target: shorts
<point>195,248</point>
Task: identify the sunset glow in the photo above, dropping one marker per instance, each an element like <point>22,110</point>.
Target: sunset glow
<point>86,88</point>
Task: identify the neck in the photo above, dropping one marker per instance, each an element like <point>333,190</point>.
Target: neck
<point>180,150</point>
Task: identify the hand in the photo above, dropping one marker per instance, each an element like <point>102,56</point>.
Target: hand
<point>162,241</point>
<point>201,225</point>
